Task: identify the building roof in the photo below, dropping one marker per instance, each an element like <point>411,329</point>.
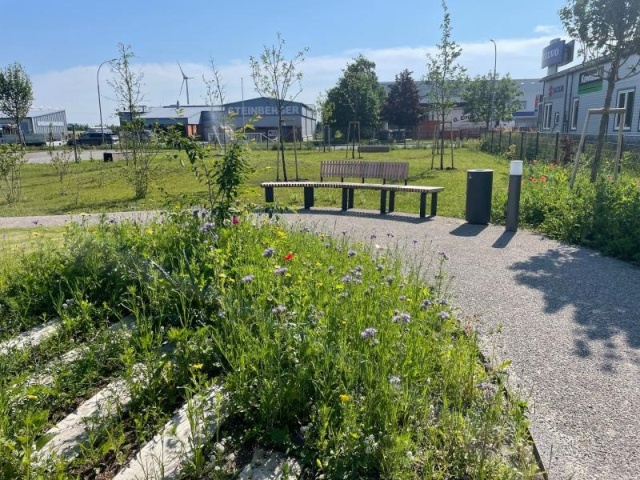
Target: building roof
<point>41,112</point>
<point>191,113</point>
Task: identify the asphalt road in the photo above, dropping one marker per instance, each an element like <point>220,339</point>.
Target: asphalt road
<point>87,154</point>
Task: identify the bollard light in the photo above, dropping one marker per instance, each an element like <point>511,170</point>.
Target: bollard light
<point>513,198</point>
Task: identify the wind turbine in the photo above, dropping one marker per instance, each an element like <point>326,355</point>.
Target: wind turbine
<point>185,81</point>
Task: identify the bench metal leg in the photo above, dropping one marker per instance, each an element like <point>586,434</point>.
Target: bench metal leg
<point>268,194</point>
<point>383,202</point>
<point>392,201</point>
<point>345,199</point>
<point>423,204</point>
<point>351,195</point>
<point>308,197</point>
<point>434,204</point>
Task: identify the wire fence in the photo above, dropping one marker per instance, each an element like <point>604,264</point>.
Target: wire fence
<point>561,148</point>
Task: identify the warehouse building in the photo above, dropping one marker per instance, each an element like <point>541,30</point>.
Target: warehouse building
<point>525,118</point>
<point>212,123</point>
<point>37,123</point>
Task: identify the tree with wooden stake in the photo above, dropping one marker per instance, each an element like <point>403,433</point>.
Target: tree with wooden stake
<point>274,76</point>
<point>609,34</point>
<point>445,76</point>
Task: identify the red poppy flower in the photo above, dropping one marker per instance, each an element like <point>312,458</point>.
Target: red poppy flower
<point>543,179</point>
<point>534,179</point>
<point>288,257</point>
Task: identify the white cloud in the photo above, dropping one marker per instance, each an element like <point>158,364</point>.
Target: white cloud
<point>75,89</point>
<point>547,30</point>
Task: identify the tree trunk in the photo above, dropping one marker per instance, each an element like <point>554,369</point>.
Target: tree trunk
<point>442,141</point>
<point>281,142</point>
<point>604,119</point>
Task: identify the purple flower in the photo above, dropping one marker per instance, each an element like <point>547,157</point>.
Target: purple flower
<point>347,279</point>
<point>281,271</point>
<point>402,298</point>
<point>443,315</point>
<point>268,252</point>
<point>331,268</point>
<point>390,279</point>
<point>351,253</point>
<point>443,255</point>
<point>426,303</point>
<point>443,301</point>
<point>368,333</point>
<point>35,222</point>
<point>279,309</point>
<point>373,237</point>
<point>207,227</point>
<point>402,317</point>
<point>379,267</point>
<point>247,279</point>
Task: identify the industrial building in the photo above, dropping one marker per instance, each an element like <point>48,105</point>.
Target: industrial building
<point>570,93</point>
<point>209,123</point>
<point>524,118</point>
<point>36,124</point>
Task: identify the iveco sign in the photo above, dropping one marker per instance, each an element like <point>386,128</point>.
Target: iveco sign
<point>553,54</point>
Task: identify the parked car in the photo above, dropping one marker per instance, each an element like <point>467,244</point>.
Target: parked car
<point>95,138</point>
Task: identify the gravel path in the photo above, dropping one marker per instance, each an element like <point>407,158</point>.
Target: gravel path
<point>567,318</point>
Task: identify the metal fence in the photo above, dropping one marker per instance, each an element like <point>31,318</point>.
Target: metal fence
<point>561,147</point>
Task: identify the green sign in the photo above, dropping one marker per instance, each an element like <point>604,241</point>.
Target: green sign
<point>590,81</point>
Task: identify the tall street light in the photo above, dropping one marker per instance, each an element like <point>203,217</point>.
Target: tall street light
<point>493,82</point>
<point>99,99</point>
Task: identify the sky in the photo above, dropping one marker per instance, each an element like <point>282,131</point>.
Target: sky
<point>61,44</point>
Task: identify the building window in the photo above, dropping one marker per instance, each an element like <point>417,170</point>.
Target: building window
<point>546,119</point>
<point>625,100</point>
<point>574,113</point>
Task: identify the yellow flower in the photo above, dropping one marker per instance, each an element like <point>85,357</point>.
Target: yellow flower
<point>32,397</point>
<point>149,231</point>
<point>344,398</point>
<point>197,366</point>
<point>281,234</point>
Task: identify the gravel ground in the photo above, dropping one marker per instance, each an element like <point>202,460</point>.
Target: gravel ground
<point>567,318</point>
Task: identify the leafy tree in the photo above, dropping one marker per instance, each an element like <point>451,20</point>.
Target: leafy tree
<point>358,96</point>
<point>445,76</point>
<point>478,95</point>
<point>402,107</point>
<point>609,34</point>
<point>16,94</point>
<point>273,76</point>
<point>138,150</point>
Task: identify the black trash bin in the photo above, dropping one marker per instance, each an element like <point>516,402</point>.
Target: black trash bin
<point>479,187</point>
<point>107,156</point>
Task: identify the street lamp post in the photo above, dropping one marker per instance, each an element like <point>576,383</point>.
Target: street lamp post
<point>99,99</point>
<point>493,82</point>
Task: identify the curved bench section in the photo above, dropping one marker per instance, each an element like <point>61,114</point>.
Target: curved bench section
<point>387,193</point>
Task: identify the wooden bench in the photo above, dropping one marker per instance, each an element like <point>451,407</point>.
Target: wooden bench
<point>352,169</point>
<point>360,169</point>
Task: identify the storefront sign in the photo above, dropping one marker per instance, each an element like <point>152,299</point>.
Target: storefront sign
<point>553,54</point>
<point>590,81</point>
<point>554,90</point>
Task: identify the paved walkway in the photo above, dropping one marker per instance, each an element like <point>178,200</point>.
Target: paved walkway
<point>568,319</point>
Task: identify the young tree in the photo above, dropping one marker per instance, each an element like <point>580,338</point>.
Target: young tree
<point>274,76</point>
<point>609,34</point>
<point>16,94</point>
<point>216,95</point>
<point>138,150</point>
<point>478,94</point>
<point>402,107</point>
<point>358,96</point>
<point>445,76</point>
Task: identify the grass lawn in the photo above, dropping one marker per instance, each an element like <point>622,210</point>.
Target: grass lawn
<point>95,186</point>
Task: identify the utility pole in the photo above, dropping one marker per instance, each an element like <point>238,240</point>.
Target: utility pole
<point>493,83</point>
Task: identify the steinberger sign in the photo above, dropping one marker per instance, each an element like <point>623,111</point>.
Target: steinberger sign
<point>590,81</point>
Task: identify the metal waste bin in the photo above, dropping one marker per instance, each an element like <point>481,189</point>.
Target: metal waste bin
<point>479,187</point>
